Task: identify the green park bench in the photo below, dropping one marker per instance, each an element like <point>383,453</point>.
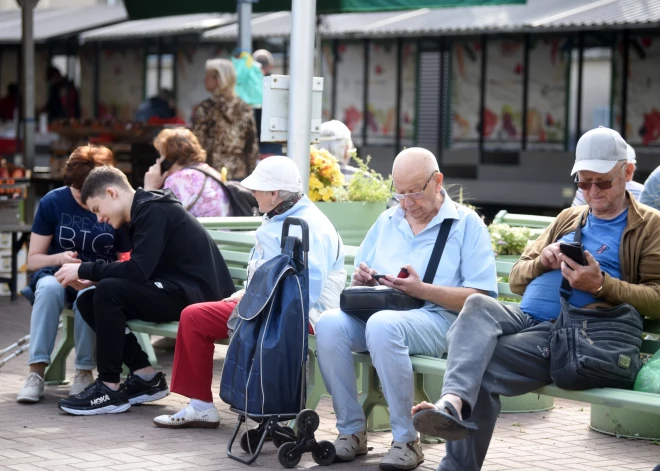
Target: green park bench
<point>622,412</point>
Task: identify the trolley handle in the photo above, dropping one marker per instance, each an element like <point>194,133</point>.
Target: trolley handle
<point>292,221</point>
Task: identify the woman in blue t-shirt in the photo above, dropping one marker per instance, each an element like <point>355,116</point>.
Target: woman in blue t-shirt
<point>65,231</point>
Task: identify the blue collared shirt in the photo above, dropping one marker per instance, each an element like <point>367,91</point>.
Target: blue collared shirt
<point>467,261</point>
<point>326,250</point>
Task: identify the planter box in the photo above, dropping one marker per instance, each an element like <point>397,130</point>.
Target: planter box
<point>352,219</point>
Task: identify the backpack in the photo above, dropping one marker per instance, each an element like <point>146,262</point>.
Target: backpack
<point>242,201</point>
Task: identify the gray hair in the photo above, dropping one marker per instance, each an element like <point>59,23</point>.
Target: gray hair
<point>287,195</point>
<point>338,148</point>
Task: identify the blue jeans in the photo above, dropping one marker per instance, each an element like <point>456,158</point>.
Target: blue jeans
<point>49,301</point>
<point>390,337</point>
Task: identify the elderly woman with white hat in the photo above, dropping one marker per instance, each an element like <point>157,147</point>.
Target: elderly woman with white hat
<point>277,186</point>
<point>336,138</point>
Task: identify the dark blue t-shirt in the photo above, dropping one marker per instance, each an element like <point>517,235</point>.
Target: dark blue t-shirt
<point>77,229</point>
<point>601,238</point>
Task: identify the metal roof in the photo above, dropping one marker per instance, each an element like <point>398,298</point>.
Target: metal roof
<point>279,25</point>
<point>534,16</point>
<point>167,26</point>
<point>54,23</point>
<point>607,13</point>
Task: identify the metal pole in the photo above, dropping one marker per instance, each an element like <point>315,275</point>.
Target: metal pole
<point>303,15</point>
<point>482,103</point>
<point>525,102</point>
<point>365,94</point>
<point>399,88</point>
<point>624,83</point>
<point>159,63</point>
<point>28,97</point>
<point>335,63</point>
<point>97,79</point>
<point>578,112</point>
<point>244,25</point>
<point>441,103</point>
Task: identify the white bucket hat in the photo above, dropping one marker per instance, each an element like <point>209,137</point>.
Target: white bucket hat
<point>273,174</point>
<point>599,150</point>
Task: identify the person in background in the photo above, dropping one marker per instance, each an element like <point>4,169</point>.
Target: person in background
<point>192,181</point>
<point>224,124</point>
<point>65,231</point>
<point>277,186</point>
<point>159,106</point>
<point>632,186</point>
<point>62,96</point>
<point>265,59</point>
<point>9,103</point>
<point>336,138</point>
<point>651,193</point>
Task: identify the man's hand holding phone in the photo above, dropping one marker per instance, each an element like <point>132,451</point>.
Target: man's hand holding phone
<point>407,281</point>
<point>588,278</point>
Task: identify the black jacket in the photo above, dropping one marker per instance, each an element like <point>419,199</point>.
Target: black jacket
<point>169,246</point>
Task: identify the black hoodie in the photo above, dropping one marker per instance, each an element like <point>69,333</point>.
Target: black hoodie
<point>169,246</point>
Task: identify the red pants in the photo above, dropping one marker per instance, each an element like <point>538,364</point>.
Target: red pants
<point>200,326</point>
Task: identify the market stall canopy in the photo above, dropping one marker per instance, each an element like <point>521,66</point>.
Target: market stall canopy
<point>139,9</point>
<point>50,24</point>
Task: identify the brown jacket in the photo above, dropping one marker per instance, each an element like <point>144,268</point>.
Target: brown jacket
<point>639,255</point>
<point>227,132</point>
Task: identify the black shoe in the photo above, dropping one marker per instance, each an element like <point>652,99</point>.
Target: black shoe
<point>141,391</point>
<point>97,398</point>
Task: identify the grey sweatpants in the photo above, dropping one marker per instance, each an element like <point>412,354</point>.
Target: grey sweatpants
<point>494,349</point>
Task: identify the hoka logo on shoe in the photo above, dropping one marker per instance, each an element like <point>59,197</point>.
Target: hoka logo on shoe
<point>100,400</point>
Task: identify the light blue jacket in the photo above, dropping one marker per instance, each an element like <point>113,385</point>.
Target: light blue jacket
<point>651,194</point>
<point>326,250</point>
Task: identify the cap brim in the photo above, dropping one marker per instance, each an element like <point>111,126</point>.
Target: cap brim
<point>255,183</point>
<point>598,166</point>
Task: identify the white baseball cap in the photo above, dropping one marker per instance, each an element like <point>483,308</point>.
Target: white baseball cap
<point>599,150</point>
<point>331,130</point>
<point>632,157</point>
<point>273,174</point>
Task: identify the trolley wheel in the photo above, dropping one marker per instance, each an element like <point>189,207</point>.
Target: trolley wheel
<point>286,458</point>
<point>327,456</point>
<point>278,442</point>
<point>250,440</point>
<point>307,418</point>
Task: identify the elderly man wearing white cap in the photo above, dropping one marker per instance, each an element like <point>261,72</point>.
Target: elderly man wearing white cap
<point>336,138</point>
<point>277,186</point>
<point>635,188</point>
<point>498,349</point>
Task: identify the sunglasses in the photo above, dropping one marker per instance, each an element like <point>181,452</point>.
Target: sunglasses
<point>418,195</point>
<point>602,185</point>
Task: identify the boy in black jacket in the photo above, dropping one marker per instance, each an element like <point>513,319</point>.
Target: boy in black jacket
<point>174,263</point>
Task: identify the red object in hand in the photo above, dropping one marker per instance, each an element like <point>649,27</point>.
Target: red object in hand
<point>403,273</point>
<point>124,257</point>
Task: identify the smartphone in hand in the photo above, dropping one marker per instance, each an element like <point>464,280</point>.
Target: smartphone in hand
<point>165,165</point>
<point>574,251</point>
<point>377,277</point>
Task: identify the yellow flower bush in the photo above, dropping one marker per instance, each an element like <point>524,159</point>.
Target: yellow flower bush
<point>325,177</point>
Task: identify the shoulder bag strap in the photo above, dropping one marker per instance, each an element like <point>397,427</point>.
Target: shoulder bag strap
<point>438,248</point>
<point>201,190</point>
<point>565,290</point>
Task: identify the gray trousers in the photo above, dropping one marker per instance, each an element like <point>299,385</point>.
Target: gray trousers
<point>494,349</point>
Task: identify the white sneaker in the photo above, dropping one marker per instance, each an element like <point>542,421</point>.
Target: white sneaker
<point>32,390</point>
<point>402,456</point>
<point>350,446</point>
<point>80,381</point>
<point>209,418</point>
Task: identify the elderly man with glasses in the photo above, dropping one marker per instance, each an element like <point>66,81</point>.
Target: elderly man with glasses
<point>404,237</point>
<point>498,349</point>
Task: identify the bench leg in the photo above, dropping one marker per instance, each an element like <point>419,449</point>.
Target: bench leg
<point>145,343</point>
<point>56,371</point>
<point>625,423</point>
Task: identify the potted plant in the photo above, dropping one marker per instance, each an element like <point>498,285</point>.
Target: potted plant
<point>508,242</point>
<point>351,206</point>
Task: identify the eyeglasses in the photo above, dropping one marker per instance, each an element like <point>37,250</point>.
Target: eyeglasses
<point>603,185</point>
<point>415,196</point>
